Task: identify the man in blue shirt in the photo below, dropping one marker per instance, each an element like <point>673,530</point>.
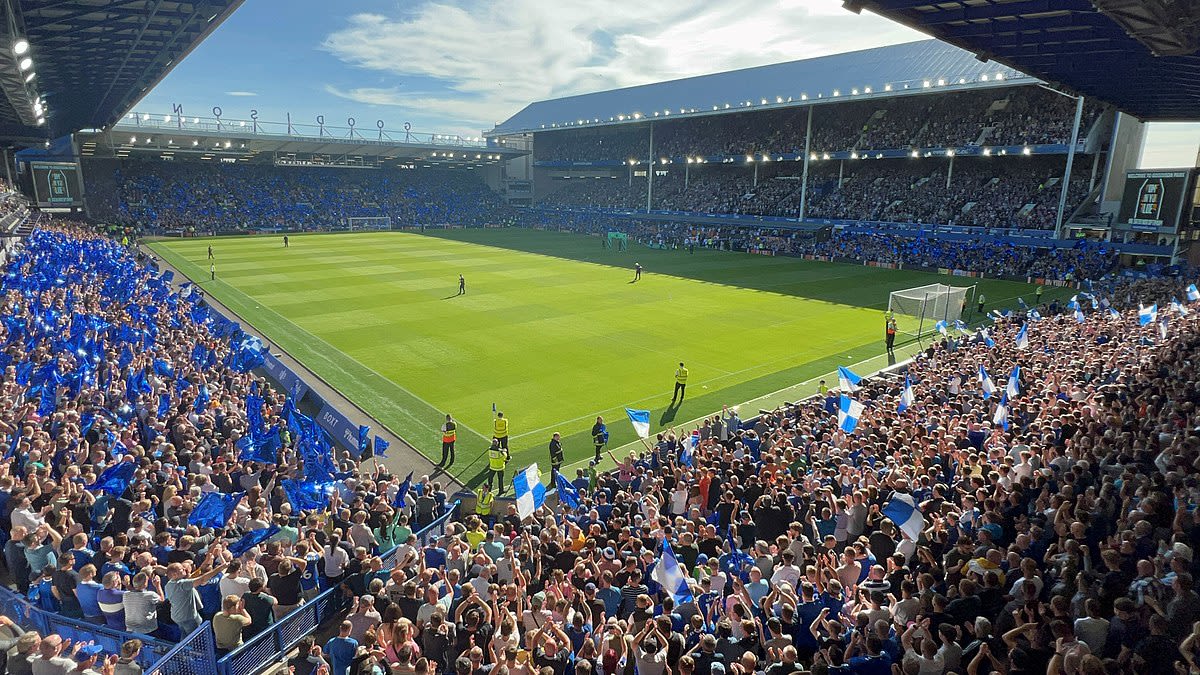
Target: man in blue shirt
<point>341,650</point>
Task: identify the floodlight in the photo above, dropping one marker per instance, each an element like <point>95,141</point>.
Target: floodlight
<point>20,46</point>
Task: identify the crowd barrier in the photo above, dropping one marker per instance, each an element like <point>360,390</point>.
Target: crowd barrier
<point>33,618</point>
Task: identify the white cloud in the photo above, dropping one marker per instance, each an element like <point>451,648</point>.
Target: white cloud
<point>241,93</point>
<point>475,64</point>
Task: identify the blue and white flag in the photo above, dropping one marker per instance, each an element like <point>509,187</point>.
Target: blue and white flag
<point>940,327</point>
<point>1074,302</point>
<point>215,509</point>
<point>1035,315</point>
<point>1147,315</point>
<point>849,412</point>
<point>985,383</point>
<point>1178,307</point>
<point>529,491</point>
<point>568,495</point>
<point>1079,317</point>
<point>906,396</point>
<point>671,576</point>
<point>381,447</point>
<point>847,379</point>
<point>1193,293</point>
<point>304,495</point>
<point>1014,383</point>
<point>1001,415</point>
<point>400,500</point>
<point>1023,337</point>
<point>687,448</point>
<point>1162,328</point>
<point>902,510</point>
<point>962,327</point>
<point>1113,314</point>
<point>251,539</point>
<point>640,420</point>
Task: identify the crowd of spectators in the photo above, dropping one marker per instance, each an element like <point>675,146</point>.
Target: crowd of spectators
<point>1006,116</point>
<point>128,410</point>
<point>1011,192</point>
<point>208,197</point>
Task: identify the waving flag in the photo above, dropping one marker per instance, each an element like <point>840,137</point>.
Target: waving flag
<point>215,509</point>
<point>1113,314</point>
<point>671,576</point>
<point>202,399</point>
<point>164,405</point>
<point>529,491</point>
<point>116,479</point>
<point>1079,318</point>
<point>305,496</point>
<point>1023,337</point>
<point>1001,415</point>
<point>568,496</point>
<point>251,539</point>
<point>1147,315</point>
<point>1074,303</point>
<point>906,396</point>
<point>1193,293</point>
<point>364,438</point>
<point>940,327</point>
<point>401,499</point>
<point>251,449</point>
<point>1175,305</point>
<point>1162,329</point>
<point>902,510</point>
<point>687,448</point>
<point>849,412</point>
<point>848,380</point>
<point>1035,315</point>
<point>1014,383</point>
<point>381,447</point>
<point>985,383</point>
<point>640,420</point>
<point>738,560</point>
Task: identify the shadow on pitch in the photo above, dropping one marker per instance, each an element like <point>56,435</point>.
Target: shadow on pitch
<point>668,415</point>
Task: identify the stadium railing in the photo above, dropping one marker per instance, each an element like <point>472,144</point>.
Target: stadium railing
<point>31,617</point>
<point>196,654</point>
<point>272,645</point>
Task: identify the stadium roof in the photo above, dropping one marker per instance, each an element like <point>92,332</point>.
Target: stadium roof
<point>93,59</point>
<point>1139,55</point>
<point>879,72</point>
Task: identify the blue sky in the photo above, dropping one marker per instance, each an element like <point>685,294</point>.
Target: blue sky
<point>460,66</point>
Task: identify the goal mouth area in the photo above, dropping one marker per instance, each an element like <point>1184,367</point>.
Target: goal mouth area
<point>917,311</point>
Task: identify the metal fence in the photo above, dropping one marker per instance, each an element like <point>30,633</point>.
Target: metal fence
<point>194,655</point>
<point>31,617</point>
<point>272,645</point>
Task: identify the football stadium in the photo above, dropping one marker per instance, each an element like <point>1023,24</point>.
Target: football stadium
<point>882,360</point>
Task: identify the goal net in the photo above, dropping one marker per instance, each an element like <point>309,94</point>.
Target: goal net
<point>918,310</point>
<point>355,223</point>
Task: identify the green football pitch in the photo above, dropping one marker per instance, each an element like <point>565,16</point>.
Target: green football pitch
<point>552,328</point>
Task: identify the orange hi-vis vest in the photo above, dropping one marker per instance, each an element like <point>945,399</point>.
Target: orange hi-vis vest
<point>449,432</point>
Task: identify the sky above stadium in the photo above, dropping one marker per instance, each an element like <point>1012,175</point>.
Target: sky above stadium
<point>461,66</point>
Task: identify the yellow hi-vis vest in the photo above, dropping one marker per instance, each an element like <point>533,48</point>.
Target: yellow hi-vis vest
<point>448,432</point>
<point>501,427</point>
<point>681,375</point>
<point>483,505</point>
<point>496,459</point>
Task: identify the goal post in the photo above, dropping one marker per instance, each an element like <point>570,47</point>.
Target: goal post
<point>357,223</point>
<point>918,310</point>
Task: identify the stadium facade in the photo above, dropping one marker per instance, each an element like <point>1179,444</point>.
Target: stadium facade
<point>806,143</point>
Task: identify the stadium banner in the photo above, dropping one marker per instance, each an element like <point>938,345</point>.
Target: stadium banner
<point>340,428</point>
<point>287,379</point>
<point>1153,199</point>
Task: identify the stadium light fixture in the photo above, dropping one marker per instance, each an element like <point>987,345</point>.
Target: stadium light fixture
<point>999,76</point>
<point>41,121</point>
<point>148,141</point>
<point>133,139</point>
<point>825,156</point>
<point>950,152</point>
<point>666,112</point>
<point>1026,150</point>
<point>987,152</point>
<point>228,144</point>
<point>941,82</point>
<point>836,92</point>
<point>727,106</point>
<point>25,64</point>
<point>915,153</point>
<point>854,92</point>
<point>1003,151</point>
<point>983,78</point>
<point>195,143</point>
<point>749,159</point>
<point>632,162</point>
<point>854,155</point>
<point>813,157</point>
<point>926,84</point>
<point>30,76</point>
<point>20,46</point>
<point>242,123</point>
<point>195,120</point>
<point>763,102</point>
<point>146,117</point>
<point>637,115</point>
<point>779,99</point>
<point>887,87</point>
<point>866,90</point>
<point>803,97</point>
<point>166,118</point>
